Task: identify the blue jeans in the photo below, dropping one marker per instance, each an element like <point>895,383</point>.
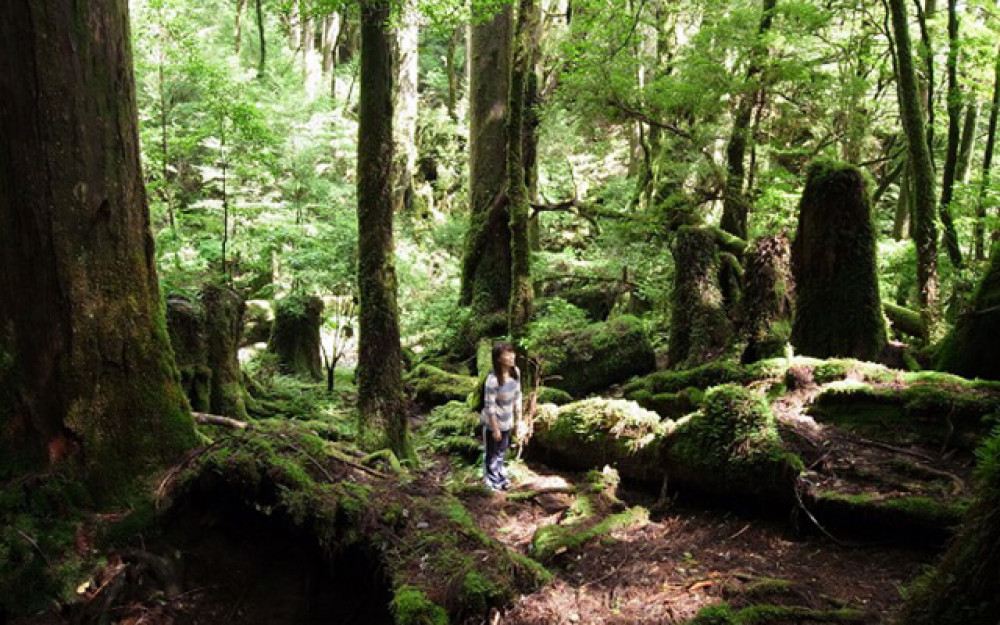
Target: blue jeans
<point>494,473</point>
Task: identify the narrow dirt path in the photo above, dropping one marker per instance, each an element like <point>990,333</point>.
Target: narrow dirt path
<point>682,560</point>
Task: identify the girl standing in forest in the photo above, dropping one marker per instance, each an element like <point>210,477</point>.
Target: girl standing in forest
<point>501,402</point>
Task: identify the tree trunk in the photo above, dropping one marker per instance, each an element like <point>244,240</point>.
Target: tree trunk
<point>838,311</point>
<point>85,362</point>
<point>954,137</point>
<point>486,264</point>
<point>904,204</point>
<point>380,375</point>
<point>767,298</point>
<point>331,28</point>
<point>699,324</point>
<point>991,136</point>
<point>924,228</point>
<point>969,130</point>
<point>295,335</point>
<point>453,41</point>
<point>238,27</point>
<point>224,309</point>
<point>262,61</point>
<point>735,207</point>
<point>522,291</point>
<point>405,123</point>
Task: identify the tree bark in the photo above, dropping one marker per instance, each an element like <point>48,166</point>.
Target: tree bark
<point>969,130</point>
<point>924,228</point>
<point>991,136</point>
<point>224,310</point>
<point>453,41</point>
<point>407,101</point>
<point>838,311</point>
<point>699,325</point>
<point>262,61</point>
<point>380,375</point>
<point>954,137</point>
<point>295,335</point>
<point>522,289</point>
<point>735,207</point>
<point>85,361</point>
<point>238,27</point>
<point>486,266</point>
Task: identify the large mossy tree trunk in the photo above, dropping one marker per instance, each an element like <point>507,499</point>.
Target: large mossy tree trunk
<point>380,358</point>
<point>486,262</point>
<point>965,350</point>
<point>699,324</point>
<point>768,298</point>
<point>962,589</point>
<point>85,361</point>
<point>735,206</point>
<point>838,311</point>
<point>224,310</point>
<point>521,288</point>
<point>911,111</point>
<point>295,335</point>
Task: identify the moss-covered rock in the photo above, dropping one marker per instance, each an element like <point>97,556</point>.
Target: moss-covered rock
<point>964,350</point>
<point>732,447</point>
<point>435,387</point>
<point>699,324</point>
<point>600,355</point>
<point>838,311</point>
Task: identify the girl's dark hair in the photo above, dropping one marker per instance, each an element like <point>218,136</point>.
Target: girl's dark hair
<point>499,349</point>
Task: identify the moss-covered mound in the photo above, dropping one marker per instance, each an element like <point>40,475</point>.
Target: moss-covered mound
<point>435,387</point>
<point>452,428</point>
<point>705,376</point>
<point>669,405</point>
<point>595,432</point>
<point>965,350</point>
<point>600,355</point>
<point>431,554</point>
<point>732,447</point>
<point>934,410</point>
<point>962,590</point>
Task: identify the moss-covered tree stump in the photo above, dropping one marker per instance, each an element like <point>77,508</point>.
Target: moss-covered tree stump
<point>186,327</point>
<point>224,310</point>
<point>600,355</point>
<point>838,311</point>
<point>699,324</point>
<point>295,335</point>
<point>964,350</point>
<point>257,322</point>
<point>768,299</point>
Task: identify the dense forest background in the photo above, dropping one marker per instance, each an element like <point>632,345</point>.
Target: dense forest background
<point>745,250</point>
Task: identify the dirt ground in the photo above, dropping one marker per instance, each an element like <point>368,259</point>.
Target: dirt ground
<point>684,559</point>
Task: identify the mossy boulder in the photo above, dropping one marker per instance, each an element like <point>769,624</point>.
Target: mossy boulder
<point>435,387</point>
<point>596,357</point>
<point>732,447</point>
<point>964,351</point>
<point>838,311</point>
<point>595,432</point>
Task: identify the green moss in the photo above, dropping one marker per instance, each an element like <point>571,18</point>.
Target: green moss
<point>724,614</point>
<point>669,405</point>
<point>549,395</point>
<point>477,593</point>
<point>732,444</point>
<point>594,358</point>
<point>551,540</point>
<point>706,376</point>
<point>412,607</point>
<point>434,387</point>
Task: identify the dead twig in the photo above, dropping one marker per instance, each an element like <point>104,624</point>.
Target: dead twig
<point>203,418</point>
